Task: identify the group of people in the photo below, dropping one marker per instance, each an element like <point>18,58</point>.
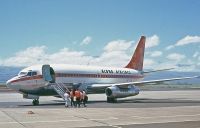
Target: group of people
<point>75,97</point>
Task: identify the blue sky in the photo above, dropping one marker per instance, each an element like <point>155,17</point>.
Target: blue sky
<point>93,30</point>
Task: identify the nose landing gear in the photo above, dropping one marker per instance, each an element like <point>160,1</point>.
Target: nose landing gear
<point>35,102</point>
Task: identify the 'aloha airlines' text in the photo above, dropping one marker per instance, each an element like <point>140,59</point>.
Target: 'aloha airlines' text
<point>115,71</point>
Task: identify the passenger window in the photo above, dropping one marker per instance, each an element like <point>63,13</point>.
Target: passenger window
<point>34,73</point>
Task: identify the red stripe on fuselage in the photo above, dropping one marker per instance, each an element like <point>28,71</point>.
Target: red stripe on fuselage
<point>80,76</point>
<point>27,78</point>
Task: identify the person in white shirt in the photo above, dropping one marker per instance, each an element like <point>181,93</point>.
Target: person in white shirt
<point>67,99</point>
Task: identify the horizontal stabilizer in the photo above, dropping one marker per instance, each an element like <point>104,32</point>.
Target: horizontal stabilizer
<point>159,70</point>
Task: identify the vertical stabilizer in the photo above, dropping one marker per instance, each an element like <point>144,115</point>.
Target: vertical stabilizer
<point>136,61</point>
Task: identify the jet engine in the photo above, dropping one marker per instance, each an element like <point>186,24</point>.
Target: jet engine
<point>119,92</point>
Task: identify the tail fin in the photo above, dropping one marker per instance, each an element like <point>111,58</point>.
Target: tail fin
<point>136,61</point>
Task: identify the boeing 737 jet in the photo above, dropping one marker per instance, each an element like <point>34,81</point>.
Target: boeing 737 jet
<point>55,79</point>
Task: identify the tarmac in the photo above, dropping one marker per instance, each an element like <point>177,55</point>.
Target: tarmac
<point>152,109</point>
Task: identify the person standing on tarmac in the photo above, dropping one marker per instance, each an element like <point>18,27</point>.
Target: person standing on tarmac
<point>67,100</point>
<point>78,97</point>
<point>81,97</point>
<point>84,98</point>
<point>72,98</point>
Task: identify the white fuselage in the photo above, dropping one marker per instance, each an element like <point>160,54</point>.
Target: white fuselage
<point>73,74</point>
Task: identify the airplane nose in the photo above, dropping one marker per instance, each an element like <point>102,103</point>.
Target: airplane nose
<point>8,83</point>
<point>11,84</point>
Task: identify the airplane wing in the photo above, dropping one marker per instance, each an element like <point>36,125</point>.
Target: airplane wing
<point>140,83</point>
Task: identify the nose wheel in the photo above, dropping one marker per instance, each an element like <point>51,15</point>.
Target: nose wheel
<point>35,102</point>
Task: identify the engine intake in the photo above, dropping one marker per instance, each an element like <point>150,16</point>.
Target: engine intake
<point>116,92</point>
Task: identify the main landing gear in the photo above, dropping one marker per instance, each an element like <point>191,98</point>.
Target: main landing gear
<point>111,100</point>
<point>35,102</point>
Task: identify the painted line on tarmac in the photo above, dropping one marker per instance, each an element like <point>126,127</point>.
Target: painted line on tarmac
<point>110,118</point>
<point>146,117</point>
<point>29,122</point>
<point>56,121</point>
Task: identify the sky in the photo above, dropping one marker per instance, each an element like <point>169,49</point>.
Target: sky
<point>100,32</point>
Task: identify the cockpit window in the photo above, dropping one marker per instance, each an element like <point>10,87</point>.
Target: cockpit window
<point>22,73</point>
<point>30,73</point>
<point>34,73</point>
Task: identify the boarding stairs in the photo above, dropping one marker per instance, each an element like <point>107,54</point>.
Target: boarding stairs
<point>49,76</point>
<point>60,88</point>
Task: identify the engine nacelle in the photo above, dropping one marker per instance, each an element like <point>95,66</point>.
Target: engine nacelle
<point>116,92</point>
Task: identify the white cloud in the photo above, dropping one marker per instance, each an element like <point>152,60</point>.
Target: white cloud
<point>152,41</point>
<point>188,40</point>
<point>148,63</point>
<point>116,53</point>
<point>175,57</point>
<point>156,54</point>
<point>185,41</point>
<point>69,57</point>
<point>169,47</point>
<point>115,58</point>
<point>1,62</point>
<point>29,56</point>
<point>86,40</point>
<point>195,54</point>
<point>38,55</point>
<point>118,45</point>
<point>189,65</point>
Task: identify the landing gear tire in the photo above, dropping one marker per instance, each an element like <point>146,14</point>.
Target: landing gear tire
<point>111,100</point>
<point>35,102</point>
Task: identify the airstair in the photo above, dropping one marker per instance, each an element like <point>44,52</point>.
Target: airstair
<point>60,89</point>
<point>49,76</point>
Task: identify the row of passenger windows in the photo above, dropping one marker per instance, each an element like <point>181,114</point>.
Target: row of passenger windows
<point>95,75</point>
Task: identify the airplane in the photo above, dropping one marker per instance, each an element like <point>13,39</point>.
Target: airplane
<point>54,79</point>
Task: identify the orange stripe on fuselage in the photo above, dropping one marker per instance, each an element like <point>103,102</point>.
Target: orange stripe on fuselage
<point>27,78</point>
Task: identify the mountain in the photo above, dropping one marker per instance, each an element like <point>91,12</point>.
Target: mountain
<point>8,72</point>
<point>173,74</point>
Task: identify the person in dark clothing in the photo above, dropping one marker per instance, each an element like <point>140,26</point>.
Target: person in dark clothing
<point>84,98</point>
